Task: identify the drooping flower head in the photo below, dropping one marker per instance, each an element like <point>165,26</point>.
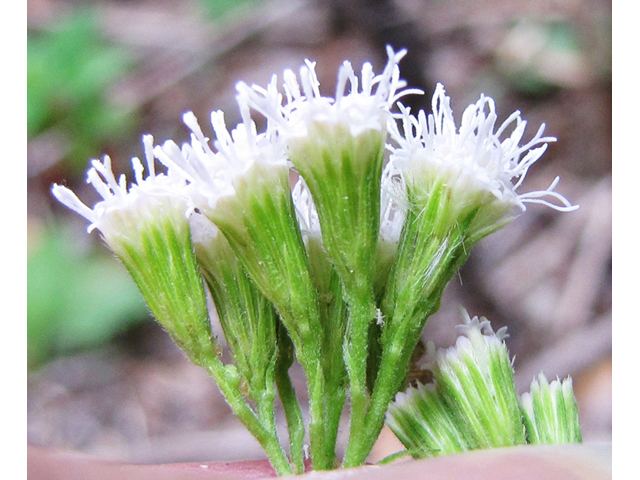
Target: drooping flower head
<point>480,165</point>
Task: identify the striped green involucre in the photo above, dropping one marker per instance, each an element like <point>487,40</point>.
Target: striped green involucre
<point>159,255</point>
<point>550,412</point>
<point>424,424</point>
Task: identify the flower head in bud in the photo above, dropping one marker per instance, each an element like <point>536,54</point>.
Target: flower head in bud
<point>550,412</point>
<point>423,423</point>
<point>481,169</point>
<point>475,377</point>
<point>472,403</point>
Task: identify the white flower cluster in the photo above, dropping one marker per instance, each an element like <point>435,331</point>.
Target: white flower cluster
<point>359,238</point>
<point>472,157</point>
<point>210,173</point>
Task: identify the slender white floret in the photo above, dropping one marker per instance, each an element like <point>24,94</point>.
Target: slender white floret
<point>472,158</point>
<point>210,174</point>
<point>392,204</point>
<point>306,212</point>
<point>118,199</point>
<point>360,104</point>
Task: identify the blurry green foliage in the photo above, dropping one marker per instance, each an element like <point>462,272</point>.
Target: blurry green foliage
<point>217,9</point>
<point>75,300</point>
<point>69,71</point>
<point>540,55</point>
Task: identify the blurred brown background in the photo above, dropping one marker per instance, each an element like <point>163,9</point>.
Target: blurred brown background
<point>105,380</point>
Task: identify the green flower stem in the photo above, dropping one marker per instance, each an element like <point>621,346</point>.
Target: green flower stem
<point>333,313</point>
<point>343,173</point>
<point>228,381</point>
<point>356,355</point>
<point>334,318</point>
<point>248,321</point>
<point>430,251</point>
<point>392,372</point>
<point>259,223</point>
<point>247,318</point>
<point>289,399</point>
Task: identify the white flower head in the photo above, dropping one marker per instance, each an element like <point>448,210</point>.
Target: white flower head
<point>472,159</point>
<point>360,104</point>
<point>210,174</point>
<point>120,203</point>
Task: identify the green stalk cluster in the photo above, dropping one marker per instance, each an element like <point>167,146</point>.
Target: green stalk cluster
<point>171,270</point>
<point>346,295</point>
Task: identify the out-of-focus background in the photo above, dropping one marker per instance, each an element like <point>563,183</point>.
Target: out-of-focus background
<point>104,379</point>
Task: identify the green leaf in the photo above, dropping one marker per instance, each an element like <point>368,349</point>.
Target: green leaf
<point>75,299</point>
<point>69,72</point>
